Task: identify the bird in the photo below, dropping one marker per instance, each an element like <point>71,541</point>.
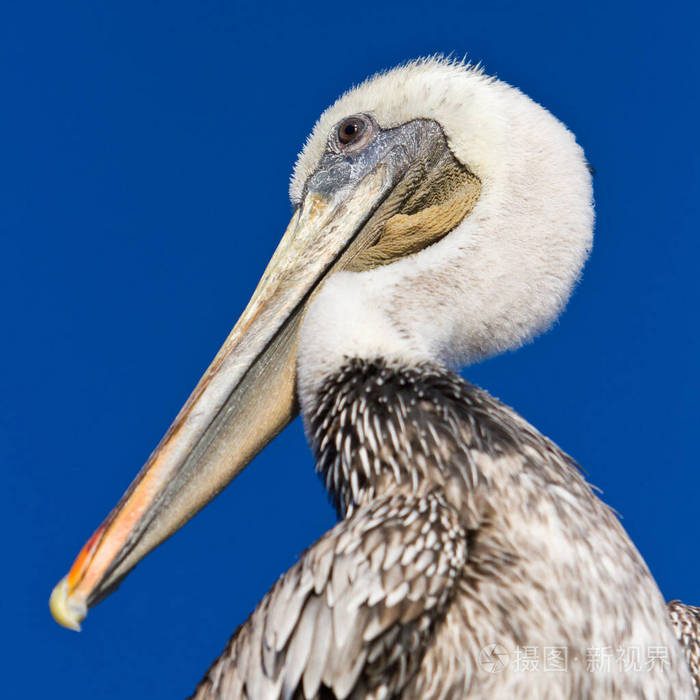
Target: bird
<point>440,216</point>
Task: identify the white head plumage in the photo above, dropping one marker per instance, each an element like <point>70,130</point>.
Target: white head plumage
<point>504,273</point>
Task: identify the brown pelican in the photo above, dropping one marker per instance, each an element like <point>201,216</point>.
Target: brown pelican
<point>440,216</point>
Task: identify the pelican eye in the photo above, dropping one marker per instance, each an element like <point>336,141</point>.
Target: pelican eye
<point>350,130</point>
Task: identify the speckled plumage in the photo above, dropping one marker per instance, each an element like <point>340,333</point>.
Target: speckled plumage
<point>462,527</point>
<point>685,620</point>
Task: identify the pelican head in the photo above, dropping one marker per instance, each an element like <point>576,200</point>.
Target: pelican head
<point>439,214</point>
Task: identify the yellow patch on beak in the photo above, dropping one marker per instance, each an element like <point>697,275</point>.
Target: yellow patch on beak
<point>436,207</point>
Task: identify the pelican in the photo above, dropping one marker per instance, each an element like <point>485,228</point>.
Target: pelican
<point>440,216</point>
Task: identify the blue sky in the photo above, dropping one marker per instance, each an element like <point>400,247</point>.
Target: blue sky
<point>146,150</point>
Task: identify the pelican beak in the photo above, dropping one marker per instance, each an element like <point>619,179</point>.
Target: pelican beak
<point>245,398</point>
<point>247,395</point>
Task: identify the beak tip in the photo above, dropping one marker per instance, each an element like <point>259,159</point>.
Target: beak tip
<point>66,610</point>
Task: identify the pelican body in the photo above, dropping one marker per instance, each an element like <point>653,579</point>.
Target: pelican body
<point>440,216</point>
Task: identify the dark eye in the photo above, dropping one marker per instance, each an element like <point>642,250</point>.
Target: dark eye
<point>350,130</point>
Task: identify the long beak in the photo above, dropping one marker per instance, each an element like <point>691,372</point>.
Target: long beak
<point>244,399</point>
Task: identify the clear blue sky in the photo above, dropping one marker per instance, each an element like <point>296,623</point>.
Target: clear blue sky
<point>144,162</point>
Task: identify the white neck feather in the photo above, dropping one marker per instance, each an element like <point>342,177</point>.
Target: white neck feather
<point>503,275</point>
